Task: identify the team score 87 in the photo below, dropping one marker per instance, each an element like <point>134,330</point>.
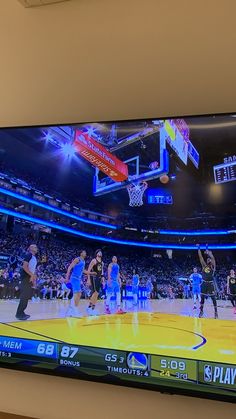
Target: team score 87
<point>68,351</point>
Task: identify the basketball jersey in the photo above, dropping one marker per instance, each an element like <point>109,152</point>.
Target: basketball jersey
<point>232,285</point>
<point>196,279</point>
<point>98,268</point>
<point>135,280</point>
<point>207,274</point>
<point>78,270</point>
<point>115,269</point>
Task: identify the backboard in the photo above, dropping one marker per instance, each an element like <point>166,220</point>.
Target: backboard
<point>138,150</point>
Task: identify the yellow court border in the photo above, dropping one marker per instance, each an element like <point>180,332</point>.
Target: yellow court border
<point>152,333</point>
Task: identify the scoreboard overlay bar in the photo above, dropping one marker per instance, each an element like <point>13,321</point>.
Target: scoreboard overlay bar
<point>146,368</point>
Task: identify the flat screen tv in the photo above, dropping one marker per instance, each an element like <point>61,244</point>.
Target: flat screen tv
<point>117,252</point>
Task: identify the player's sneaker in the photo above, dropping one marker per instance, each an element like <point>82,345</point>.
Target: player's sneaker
<point>23,317</point>
<point>77,313</point>
<point>107,310</point>
<point>200,314</point>
<point>92,311</point>
<point>89,309</point>
<point>120,311</point>
<point>216,315</point>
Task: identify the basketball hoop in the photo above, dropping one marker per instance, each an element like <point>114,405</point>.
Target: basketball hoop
<point>136,191</point>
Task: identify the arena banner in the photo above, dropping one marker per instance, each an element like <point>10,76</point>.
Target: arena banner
<point>98,156</point>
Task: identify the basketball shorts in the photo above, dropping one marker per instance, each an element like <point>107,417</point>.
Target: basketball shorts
<point>114,288</point>
<point>196,290</point>
<point>96,283</point>
<point>76,285</point>
<point>208,288</point>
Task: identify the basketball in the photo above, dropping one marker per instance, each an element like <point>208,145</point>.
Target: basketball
<point>164,179</point>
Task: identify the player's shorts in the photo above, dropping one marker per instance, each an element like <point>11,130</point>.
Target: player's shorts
<point>96,283</point>
<point>208,288</point>
<point>196,290</point>
<point>135,290</point>
<point>114,288</point>
<point>76,285</point>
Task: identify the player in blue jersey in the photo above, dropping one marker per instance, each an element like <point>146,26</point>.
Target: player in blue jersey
<point>135,284</point>
<point>196,280</point>
<point>113,286</point>
<point>74,275</point>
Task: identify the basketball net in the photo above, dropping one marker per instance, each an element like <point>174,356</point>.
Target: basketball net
<point>136,191</point>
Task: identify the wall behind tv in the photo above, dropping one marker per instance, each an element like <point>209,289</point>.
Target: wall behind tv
<point>107,59</point>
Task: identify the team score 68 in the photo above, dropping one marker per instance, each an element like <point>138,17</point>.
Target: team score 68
<point>45,349</point>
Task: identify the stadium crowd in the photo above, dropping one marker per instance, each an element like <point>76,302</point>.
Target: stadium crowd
<point>162,275</point>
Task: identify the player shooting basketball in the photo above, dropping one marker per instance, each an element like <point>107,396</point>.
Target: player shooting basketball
<point>208,286</point>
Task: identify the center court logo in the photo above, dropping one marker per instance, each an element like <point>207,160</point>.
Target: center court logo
<point>220,374</point>
<point>137,361</point>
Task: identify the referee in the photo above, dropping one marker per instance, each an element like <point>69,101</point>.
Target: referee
<point>28,279</point>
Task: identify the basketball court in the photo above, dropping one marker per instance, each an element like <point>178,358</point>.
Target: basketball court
<point>167,328</point>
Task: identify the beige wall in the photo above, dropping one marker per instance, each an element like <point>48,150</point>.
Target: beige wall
<point>110,59</point>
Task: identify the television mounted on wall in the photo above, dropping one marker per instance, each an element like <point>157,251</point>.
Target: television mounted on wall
<point>117,252</point>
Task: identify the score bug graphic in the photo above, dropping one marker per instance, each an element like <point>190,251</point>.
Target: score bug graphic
<point>137,361</point>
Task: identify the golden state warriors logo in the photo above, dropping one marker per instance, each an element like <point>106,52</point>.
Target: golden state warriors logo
<point>233,281</point>
<point>137,361</point>
<point>207,270</point>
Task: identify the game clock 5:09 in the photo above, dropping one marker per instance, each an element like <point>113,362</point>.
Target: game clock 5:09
<point>174,368</point>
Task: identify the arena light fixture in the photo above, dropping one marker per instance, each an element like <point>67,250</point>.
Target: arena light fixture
<point>78,233</point>
<point>68,150</point>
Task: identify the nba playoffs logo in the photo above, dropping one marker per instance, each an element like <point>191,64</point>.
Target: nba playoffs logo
<point>220,374</point>
<point>208,373</point>
<point>137,361</point>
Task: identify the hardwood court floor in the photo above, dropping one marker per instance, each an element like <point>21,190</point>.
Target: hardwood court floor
<point>163,327</point>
